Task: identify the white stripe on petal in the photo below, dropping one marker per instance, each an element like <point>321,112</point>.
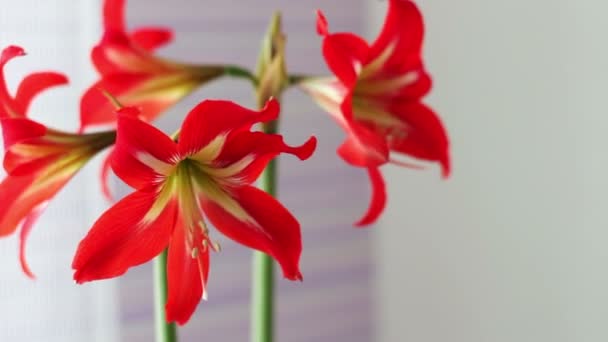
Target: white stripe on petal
<point>230,170</point>
<point>155,164</point>
<point>211,151</point>
<point>213,192</point>
<point>376,65</point>
<point>387,86</point>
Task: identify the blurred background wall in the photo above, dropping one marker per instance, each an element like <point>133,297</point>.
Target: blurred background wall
<point>512,247</point>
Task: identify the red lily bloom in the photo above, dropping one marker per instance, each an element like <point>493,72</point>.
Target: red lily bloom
<point>376,98</point>
<point>39,160</point>
<point>131,72</point>
<point>205,175</point>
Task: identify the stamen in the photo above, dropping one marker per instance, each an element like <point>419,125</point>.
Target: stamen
<point>203,227</point>
<point>117,105</point>
<point>406,164</point>
<point>207,242</point>
<point>194,253</point>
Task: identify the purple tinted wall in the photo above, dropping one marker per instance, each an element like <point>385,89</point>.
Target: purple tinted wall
<point>334,302</point>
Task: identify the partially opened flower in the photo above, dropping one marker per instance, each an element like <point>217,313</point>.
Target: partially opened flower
<point>375,96</point>
<point>204,177</point>
<point>131,72</point>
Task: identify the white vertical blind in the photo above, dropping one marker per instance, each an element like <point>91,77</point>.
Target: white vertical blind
<point>57,35</point>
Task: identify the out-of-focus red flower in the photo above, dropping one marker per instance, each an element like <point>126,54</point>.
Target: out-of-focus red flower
<point>131,72</point>
<point>205,175</point>
<point>375,96</point>
<point>39,160</point>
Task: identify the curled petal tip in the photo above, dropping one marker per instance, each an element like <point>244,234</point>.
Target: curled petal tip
<point>378,200</point>
<point>271,110</point>
<point>322,26</point>
<point>26,228</point>
<point>10,52</point>
<point>28,272</point>
<point>297,276</point>
<point>307,149</point>
<point>365,222</point>
<point>446,167</point>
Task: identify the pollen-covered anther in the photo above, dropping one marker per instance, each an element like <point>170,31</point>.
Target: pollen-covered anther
<point>215,246</point>
<point>194,253</point>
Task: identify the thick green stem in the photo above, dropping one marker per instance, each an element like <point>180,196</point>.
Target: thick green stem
<point>262,293</point>
<point>165,332</point>
<point>262,315</point>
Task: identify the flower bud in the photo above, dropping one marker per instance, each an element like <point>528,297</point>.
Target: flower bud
<point>271,71</point>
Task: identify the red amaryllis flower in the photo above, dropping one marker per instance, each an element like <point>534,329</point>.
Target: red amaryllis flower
<point>376,98</point>
<point>131,72</point>
<point>205,175</point>
<point>39,160</point>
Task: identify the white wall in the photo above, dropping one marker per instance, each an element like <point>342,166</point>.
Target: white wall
<point>512,247</point>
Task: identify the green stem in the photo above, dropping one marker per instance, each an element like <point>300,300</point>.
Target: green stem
<point>262,295</point>
<point>165,332</point>
<point>239,72</point>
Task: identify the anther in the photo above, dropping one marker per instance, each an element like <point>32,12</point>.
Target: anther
<point>216,246</point>
<point>194,253</point>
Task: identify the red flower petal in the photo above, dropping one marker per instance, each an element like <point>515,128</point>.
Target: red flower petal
<point>378,201</point>
<point>151,38</point>
<point>322,25</point>
<point>145,91</point>
<point>7,104</point>
<point>21,196</point>
<point>363,147</point>
<point>114,14</point>
<point>104,177</point>
<point>418,89</point>
<point>33,84</point>
<point>9,53</point>
<point>95,109</point>
<point>426,136</point>
<point>187,275</point>
<point>142,154</point>
<point>261,147</point>
<point>275,231</point>
<point>213,118</point>
<point>15,130</point>
<point>26,228</point>
<point>124,237</point>
<point>345,54</point>
<point>404,28</point>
